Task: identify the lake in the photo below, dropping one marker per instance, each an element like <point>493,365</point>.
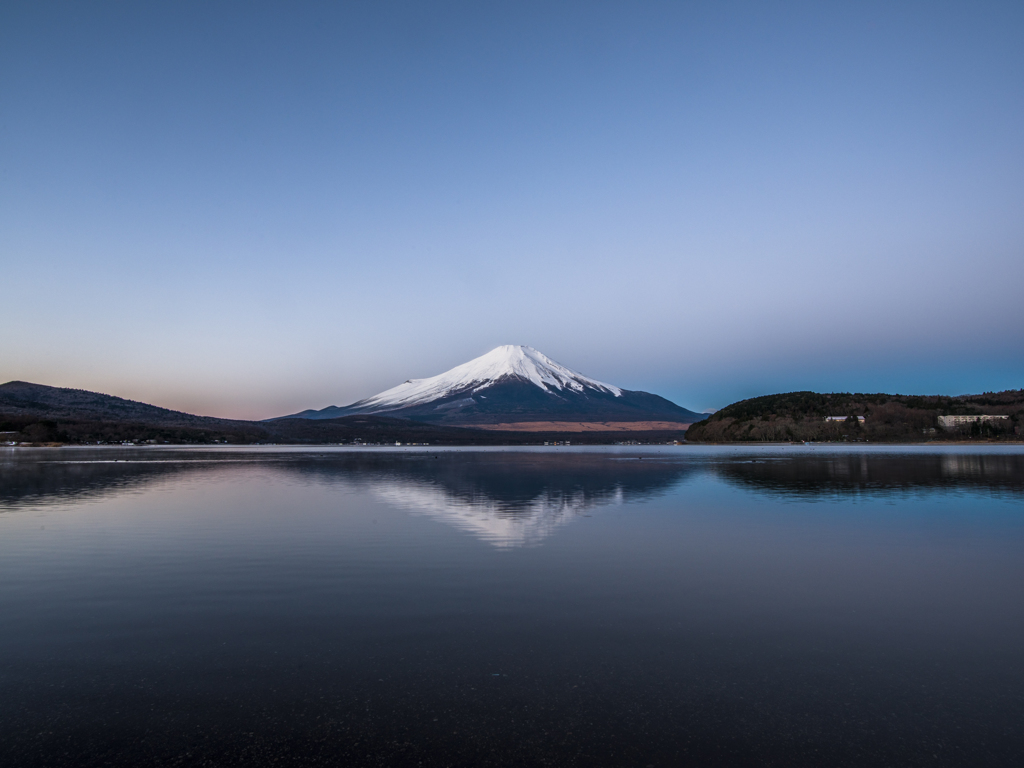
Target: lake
<point>634,606</point>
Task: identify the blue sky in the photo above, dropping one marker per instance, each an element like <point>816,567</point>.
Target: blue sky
<point>249,209</point>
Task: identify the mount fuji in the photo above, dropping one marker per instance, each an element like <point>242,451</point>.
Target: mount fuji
<point>519,388</point>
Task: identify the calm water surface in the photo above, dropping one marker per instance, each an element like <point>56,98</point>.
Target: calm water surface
<point>633,606</point>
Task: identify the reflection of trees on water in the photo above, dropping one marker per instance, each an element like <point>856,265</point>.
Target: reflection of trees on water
<point>48,476</point>
<point>58,476</point>
<point>506,498</point>
<point>876,473</point>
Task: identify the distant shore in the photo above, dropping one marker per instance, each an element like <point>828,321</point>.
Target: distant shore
<point>876,418</point>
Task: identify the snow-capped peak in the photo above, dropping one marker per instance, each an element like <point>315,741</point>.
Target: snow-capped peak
<point>520,362</point>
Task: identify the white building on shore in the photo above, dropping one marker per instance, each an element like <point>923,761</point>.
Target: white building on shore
<point>959,421</point>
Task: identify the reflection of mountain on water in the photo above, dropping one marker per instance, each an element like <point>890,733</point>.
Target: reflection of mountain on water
<point>506,498</point>
<point>500,523</point>
<point>876,473</point>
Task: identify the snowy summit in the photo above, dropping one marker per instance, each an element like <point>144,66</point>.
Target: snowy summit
<point>513,385</point>
<point>509,361</point>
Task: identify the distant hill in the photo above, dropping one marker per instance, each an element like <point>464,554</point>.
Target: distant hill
<point>20,398</point>
<point>37,413</point>
<point>514,385</point>
<point>814,416</point>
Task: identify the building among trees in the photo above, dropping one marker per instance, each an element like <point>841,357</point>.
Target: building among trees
<point>959,421</point>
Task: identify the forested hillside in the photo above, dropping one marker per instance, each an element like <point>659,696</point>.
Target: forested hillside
<point>886,418</point>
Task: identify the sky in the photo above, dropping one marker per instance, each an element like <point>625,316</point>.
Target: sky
<point>245,210</point>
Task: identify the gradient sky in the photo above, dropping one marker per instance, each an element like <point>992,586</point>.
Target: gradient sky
<point>249,209</point>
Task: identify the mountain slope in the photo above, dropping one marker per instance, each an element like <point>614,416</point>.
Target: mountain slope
<point>508,385</point>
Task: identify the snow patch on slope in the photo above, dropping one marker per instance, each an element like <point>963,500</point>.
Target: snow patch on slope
<point>519,362</point>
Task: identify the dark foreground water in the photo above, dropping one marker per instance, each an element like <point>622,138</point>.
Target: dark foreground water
<point>634,607</point>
